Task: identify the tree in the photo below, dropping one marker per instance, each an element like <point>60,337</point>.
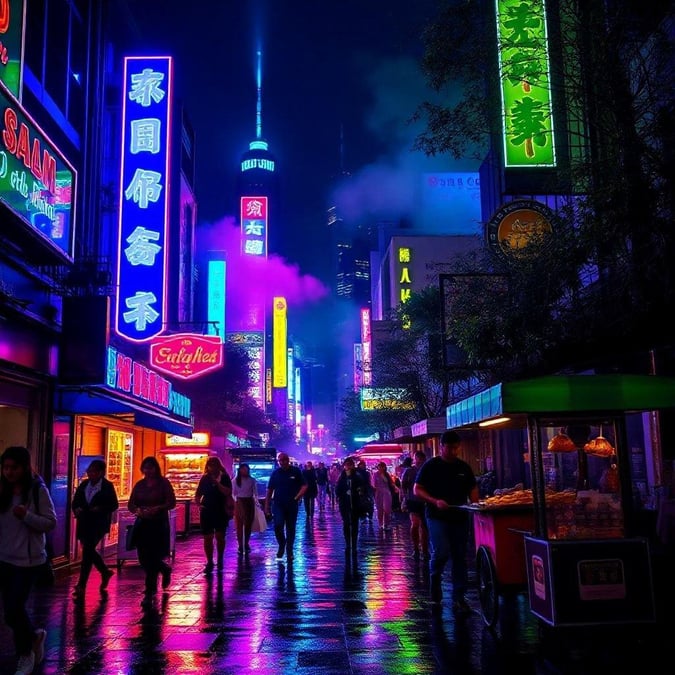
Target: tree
<point>223,396</point>
<point>605,279</point>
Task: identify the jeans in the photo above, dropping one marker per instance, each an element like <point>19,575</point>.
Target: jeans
<point>448,542</point>
<point>16,586</point>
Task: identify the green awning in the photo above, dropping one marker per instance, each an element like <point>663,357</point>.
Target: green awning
<point>565,394</point>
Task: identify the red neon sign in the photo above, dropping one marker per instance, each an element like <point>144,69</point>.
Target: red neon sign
<point>187,355</point>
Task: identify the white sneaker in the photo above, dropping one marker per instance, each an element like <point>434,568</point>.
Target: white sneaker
<point>26,664</point>
<point>39,645</point>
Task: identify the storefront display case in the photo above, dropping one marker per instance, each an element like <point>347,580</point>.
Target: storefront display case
<point>184,466</point>
<point>584,559</point>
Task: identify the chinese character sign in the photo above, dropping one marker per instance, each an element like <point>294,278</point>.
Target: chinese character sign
<point>144,197</point>
<point>254,226</point>
<point>524,74</point>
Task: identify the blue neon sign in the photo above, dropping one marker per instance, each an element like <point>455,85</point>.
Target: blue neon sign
<point>144,197</point>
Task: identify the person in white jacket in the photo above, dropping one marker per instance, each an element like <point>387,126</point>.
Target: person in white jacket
<point>26,514</point>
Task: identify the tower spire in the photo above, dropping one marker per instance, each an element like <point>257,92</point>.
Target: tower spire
<point>258,109</point>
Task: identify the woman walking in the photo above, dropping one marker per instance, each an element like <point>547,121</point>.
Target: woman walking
<point>152,497</point>
<point>348,490</point>
<point>26,514</point>
<point>383,485</point>
<point>94,502</point>
<point>245,492</point>
<point>214,488</point>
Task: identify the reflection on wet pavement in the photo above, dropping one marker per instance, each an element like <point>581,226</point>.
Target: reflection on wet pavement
<point>323,613</point>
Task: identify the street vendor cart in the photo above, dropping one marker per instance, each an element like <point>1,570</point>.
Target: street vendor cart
<point>572,539</point>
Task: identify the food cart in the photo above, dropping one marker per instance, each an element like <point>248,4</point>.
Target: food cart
<point>572,538</point>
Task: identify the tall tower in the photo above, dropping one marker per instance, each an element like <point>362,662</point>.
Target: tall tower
<point>257,189</point>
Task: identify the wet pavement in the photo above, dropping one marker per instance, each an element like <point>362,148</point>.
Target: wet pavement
<point>322,614</point>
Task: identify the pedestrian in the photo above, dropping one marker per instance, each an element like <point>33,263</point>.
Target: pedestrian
<point>322,484</point>
<point>333,476</point>
<point>363,471</point>
<point>245,492</point>
<point>414,506</point>
<point>94,502</point>
<point>152,497</point>
<point>309,498</point>
<point>383,485</point>
<point>445,482</point>
<point>27,513</point>
<point>348,490</point>
<point>213,490</point>
<point>285,489</point>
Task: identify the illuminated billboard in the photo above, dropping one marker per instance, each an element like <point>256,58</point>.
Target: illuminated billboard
<point>144,197</point>
<point>36,181</point>
<point>525,80</point>
<point>279,342</point>
<point>11,45</point>
<point>252,342</point>
<point>366,348</point>
<point>254,226</point>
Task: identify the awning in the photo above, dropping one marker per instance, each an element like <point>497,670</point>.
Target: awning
<point>429,427</point>
<point>98,401</point>
<point>565,394</point>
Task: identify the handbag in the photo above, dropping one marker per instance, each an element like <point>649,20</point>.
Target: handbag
<point>259,520</point>
<point>131,535</point>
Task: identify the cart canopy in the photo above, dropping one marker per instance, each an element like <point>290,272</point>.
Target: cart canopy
<point>564,394</point>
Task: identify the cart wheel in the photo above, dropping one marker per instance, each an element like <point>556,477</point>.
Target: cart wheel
<point>487,586</point>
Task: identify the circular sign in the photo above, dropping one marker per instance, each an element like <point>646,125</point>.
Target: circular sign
<point>518,224</point>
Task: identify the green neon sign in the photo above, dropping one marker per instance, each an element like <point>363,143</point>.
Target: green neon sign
<point>524,74</point>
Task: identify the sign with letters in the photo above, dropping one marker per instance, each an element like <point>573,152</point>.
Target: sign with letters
<point>144,197</point>
<point>187,355</point>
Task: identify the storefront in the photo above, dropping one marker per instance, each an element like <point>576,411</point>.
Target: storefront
<point>122,418</point>
<point>575,487</point>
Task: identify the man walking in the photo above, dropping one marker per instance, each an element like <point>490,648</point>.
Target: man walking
<point>285,489</point>
<point>444,483</point>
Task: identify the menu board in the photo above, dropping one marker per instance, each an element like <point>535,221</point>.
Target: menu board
<point>119,461</point>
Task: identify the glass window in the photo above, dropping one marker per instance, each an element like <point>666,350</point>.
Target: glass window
<point>35,37</point>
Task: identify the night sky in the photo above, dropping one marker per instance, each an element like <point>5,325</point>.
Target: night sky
<point>327,65</point>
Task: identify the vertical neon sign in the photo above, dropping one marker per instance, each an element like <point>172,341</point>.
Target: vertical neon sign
<point>279,341</point>
<point>254,226</point>
<point>216,297</point>
<point>524,73</point>
<point>144,197</point>
<point>366,348</point>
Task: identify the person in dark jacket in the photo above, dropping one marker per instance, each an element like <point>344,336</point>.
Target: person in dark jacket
<point>348,491</point>
<point>152,497</point>
<point>94,502</point>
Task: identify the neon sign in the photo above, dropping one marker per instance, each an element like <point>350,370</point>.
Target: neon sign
<point>11,45</point>
<point>216,297</point>
<point>279,339</point>
<point>257,163</point>
<point>524,73</point>
<point>187,355</point>
<point>136,380</point>
<point>36,181</point>
<point>254,226</point>
<point>144,197</point>
<point>366,348</point>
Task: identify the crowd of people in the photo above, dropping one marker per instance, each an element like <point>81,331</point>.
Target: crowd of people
<point>428,490</point>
